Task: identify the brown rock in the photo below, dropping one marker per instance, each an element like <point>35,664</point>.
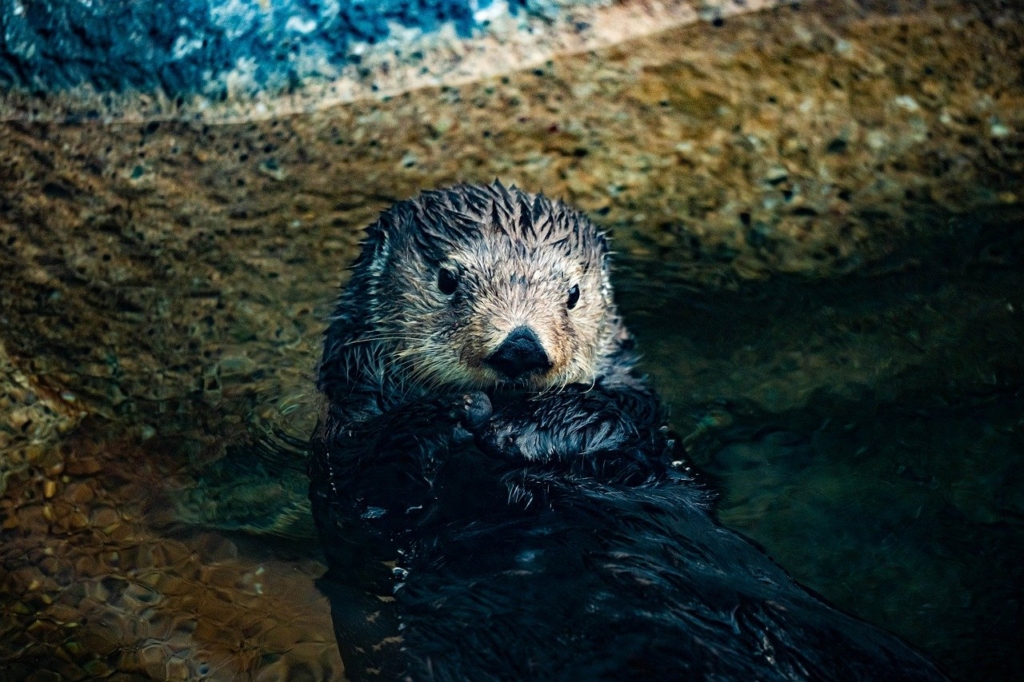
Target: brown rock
<point>83,467</point>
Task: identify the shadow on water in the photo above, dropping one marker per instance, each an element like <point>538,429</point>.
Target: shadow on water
<point>868,431</point>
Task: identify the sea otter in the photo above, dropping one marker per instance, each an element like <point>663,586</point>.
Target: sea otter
<point>495,487</point>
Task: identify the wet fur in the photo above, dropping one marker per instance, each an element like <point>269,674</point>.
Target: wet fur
<point>477,530</point>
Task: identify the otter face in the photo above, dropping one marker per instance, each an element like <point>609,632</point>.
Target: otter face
<point>486,286</point>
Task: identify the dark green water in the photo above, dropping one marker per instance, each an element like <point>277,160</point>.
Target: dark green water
<point>869,432</point>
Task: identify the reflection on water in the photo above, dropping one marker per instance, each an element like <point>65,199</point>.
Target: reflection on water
<point>866,431</point>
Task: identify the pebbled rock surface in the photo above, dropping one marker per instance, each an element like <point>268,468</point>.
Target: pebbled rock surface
<point>92,587</point>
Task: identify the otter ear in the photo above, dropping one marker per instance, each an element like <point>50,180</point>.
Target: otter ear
<point>378,249</point>
<point>604,251</point>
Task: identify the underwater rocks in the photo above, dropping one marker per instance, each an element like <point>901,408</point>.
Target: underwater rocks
<point>90,587</point>
<point>32,422</point>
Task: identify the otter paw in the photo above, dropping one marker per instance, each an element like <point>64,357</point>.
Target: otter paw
<point>476,410</point>
<point>503,438</point>
<point>472,411</point>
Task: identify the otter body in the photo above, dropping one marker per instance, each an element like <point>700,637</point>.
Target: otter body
<point>496,492</point>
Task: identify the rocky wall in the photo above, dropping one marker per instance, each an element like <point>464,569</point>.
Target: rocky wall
<point>162,269</point>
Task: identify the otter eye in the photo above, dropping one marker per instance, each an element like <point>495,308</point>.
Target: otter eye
<point>447,281</point>
<point>574,296</point>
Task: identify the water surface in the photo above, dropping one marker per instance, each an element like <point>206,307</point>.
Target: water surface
<point>817,212</point>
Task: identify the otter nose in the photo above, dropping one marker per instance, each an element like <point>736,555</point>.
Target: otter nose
<point>521,352</point>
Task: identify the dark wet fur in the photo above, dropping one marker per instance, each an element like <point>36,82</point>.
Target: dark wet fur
<point>551,536</point>
<point>608,569</point>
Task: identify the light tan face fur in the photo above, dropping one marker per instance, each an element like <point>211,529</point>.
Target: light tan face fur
<point>504,281</point>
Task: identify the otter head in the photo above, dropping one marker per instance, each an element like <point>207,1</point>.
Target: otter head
<point>488,286</point>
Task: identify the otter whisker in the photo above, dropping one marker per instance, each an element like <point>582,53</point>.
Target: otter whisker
<point>355,342</point>
<point>383,333</point>
<point>387,337</point>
